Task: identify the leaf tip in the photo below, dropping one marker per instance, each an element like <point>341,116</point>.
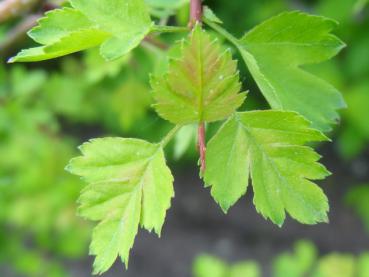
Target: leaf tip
<point>11,60</point>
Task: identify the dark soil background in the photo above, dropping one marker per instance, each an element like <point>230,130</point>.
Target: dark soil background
<point>195,225</point>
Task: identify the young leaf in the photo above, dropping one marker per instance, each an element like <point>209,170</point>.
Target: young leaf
<point>202,85</point>
<point>129,184</point>
<point>74,42</point>
<point>59,23</point>
<point>119,26</point>
<point>127,20</point>
<point>61,31</point>
<point>268,146</point>
<point>274,52</point>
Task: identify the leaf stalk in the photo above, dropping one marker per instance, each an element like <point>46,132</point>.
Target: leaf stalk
<point>170,135</point>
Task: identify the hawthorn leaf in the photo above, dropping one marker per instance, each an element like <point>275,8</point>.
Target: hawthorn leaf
<point>201,86</point>
<point>127,20</point>
<point>59,23</point>
<point>129,185</point>
<point>61,32</point>
<point>118,27</point>
<point>73,42</point>
<point>166,4</point>
<point>211,16</point>
<point>268,147</point>
<point>206,265</point>
<point>275,52</point>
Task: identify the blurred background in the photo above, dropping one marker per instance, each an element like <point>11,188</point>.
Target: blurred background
<point>48,108</point>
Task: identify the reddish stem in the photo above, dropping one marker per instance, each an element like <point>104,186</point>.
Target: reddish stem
<point>195,16</point>
<point>195,12</point>
<point>156,43</point>
<point>202,146</point>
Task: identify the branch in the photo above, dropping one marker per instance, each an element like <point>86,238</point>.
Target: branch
<point>195,12</point>
<point>202,146</point>
<point>195,17</point>
<point>17,34</point>
<point>157,43</point>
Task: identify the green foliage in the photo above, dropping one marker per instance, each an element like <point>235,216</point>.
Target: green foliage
<point>195,82</point>
<point>118,28</point>
<point>130,184</point>
<point>206,266</point>
<point>297,264</point>
<point>268,146</point>
<point>201,86</point>
<point>128,22</point>
<point>274,52</point>
<point>303,262</point>
<point>355,134</point>
<point>79,36</point>
<point>357,199</point>
<point>336,265</point>
<point>30,140</point>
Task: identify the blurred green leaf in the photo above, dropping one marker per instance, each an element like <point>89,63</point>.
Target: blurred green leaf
<point>298,263</point>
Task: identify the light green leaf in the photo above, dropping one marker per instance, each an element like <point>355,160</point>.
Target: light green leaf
<point>268,146</point>
<point>74,42</point>
<point>166,4</point>
<point>59,23</point>
<point>206,265</point>
<point>202,85</point>
<point>129,184</point>
<point>363,265</point>
<point>336,265</point>
<point>357,199</point>
<point>245,269</point>
<point>211,16</point>
<point>296,264</point>
<point>183,140</point>
<point>130,102</point>
<point>274,52</point>
<point>62,32</point>
<point>118,26</point>
<point>127,20</point>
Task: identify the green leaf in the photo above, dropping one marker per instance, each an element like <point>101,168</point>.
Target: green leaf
<point>296,264</point>
<point>269,147</point>
<point>245,269</point>
<point>355,132</point>
<point>74,42</point>
<point>62,32</point>
<point>183,140</point>
<point>130,102</point>
<point>129,184</point>
<point>59,23</point>
<point>202,85</point>
<point>363,265</point>
<point>166,4</point>
<point>127,20</point>
<point>206,265</point>
<point>357,199</point>
<point>211,16</point>
<point>336,265</point>
<point>274,52</point>
<point>118,27</point>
